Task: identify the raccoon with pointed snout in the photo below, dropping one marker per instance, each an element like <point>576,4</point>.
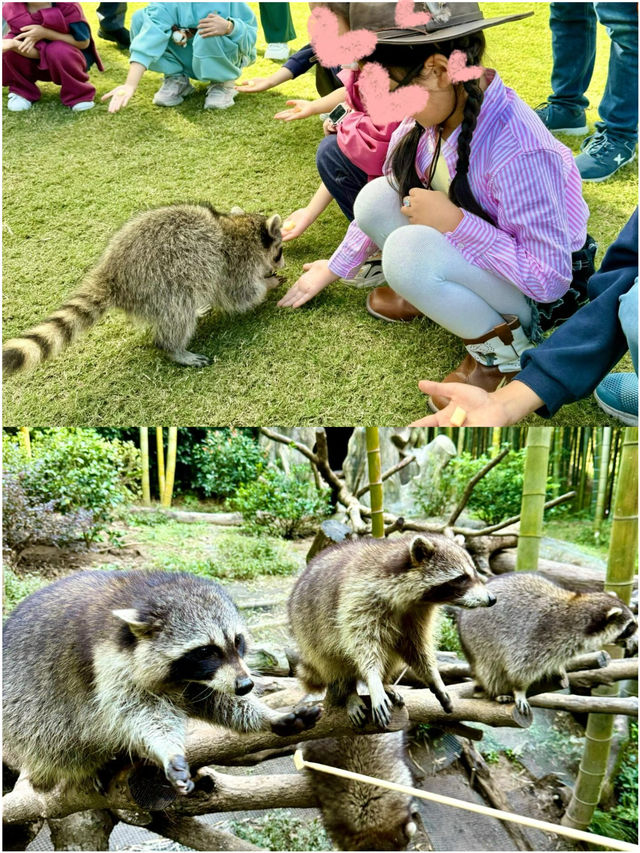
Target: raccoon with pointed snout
<point>359,816</point>
<point>166,267</point>
<point>534,630</point>
<point>102,664</point>
<point>364,609</point>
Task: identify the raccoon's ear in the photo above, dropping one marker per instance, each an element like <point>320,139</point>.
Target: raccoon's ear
<point>612,613</point>
<point>236,211</point>
<point>421,549</point>
<point>139,627</point>
<point>273,225</point>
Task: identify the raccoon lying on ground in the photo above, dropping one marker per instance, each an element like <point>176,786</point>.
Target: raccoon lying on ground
<point>358,816</point>
<point>365,608</point>
<point>100,664</point>
<point>166,266</point>
<point>534,630</point>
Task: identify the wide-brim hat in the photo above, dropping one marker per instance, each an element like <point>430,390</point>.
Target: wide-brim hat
<point>448,21</point>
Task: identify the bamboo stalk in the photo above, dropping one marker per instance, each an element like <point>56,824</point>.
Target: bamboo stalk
<point>25,438</point>
<point>144,458</point>
<point>375,481</point>
<point>620,568</point>
<point>172,447</point>
<point>160,452</point>
<point>533,494</point>
<point>605,452</point>
<point>523,820</point>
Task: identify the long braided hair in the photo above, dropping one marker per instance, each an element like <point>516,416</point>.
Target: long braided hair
<point>409,60</point>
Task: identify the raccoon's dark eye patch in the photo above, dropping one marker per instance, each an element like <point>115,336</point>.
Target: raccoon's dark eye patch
<point>198,664</point>
<point>205,652</point>
<point>278,254</point>
<point>448,590</point>
<point>240,644</point>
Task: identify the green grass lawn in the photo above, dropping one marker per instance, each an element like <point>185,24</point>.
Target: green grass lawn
<point>71,180</point>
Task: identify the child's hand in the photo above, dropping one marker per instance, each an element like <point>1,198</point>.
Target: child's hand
<point>300,109</point>
<point>120,97</point>
<point>329,127</point>
<point>258,84</point>
<point>213,25</point>
<point>295,224</point>
<point>315,278</point>
<point>9,44</point>
<point>431,207</point>
<point>35,32</point>
<point>25,44</point>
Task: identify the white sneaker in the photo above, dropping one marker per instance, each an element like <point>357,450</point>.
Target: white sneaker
<point>277,50</point>
<point>82,106</point>
<point>370,275</point>
<point>17,104</point>
<point>220,96</point>
<point>173,91</point>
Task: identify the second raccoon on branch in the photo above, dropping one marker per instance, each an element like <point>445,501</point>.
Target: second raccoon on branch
<point>167,267</point>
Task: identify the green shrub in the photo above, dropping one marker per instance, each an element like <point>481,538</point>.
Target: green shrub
<point>621,821</point>
<point>286,505</point>
<point>17,587</point>
<point>448,639</point>
<point>280,830</point>
<point>224,460</point>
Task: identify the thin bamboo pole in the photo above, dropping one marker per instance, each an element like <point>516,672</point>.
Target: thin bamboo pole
<point>591,838</point>
<point>172,447</point>
<point>144,459</point>
<point>160,453</point>
<point>25,437</point>
<point>533,495</point>
<point>620,570</point>
<point>605,452</point>
<point>375,482</point>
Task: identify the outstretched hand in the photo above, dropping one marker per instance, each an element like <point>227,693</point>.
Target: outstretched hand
<point>481,407</point>
<point>315,278</point>
<point>120,97</point>
<point>299,109</point>
<point>295,224</point>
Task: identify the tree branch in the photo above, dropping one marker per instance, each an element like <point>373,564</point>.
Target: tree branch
<point>285,439</point>
<point>469,532</point>
<point>472,482</point>
<point>388,473</point>
<point>195,833</point>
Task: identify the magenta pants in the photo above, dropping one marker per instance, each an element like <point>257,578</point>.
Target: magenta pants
<point>59,63</point>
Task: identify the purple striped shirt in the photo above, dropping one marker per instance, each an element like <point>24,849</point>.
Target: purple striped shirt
<point>523,178</point>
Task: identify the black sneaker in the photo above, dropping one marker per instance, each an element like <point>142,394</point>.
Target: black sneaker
<point>120,36</point>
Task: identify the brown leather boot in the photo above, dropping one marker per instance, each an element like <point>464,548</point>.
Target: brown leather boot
<point>385,304</point>
<point>493,359</point>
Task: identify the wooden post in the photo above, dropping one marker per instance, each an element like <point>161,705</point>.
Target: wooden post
<point>375,482</point>
<point>620,570</point>
<point>144,458</point>
<point>172,447</point>
<point>160,452</point>
<point>533,495</point>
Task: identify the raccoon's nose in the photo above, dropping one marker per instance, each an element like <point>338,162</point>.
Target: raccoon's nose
<point>243,685</point>
<point>491,599</point>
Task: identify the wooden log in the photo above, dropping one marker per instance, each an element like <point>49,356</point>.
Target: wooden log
<point>195,833</point>
<point>225,519</point>
<point>88,830</point>
<point>567,575</point>
<point>330,533</point>
<point>618,670</point>
<point>585,704</point>
<point>590,660</point>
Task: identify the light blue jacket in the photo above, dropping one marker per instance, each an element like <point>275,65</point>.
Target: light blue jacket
<point>157,19</point>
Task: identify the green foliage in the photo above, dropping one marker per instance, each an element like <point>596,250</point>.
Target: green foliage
<point>621,821</point>
<point>448,638</point>
<point>17,587</point>
<point>279,830</point>
<point>224,460</point>
<point>234,556</point>
<point>283,504</point>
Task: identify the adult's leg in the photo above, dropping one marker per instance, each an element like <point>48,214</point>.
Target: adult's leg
<point>68,69</point>
<point>111,16</point>
<point>19,73</point>
<point>340,176</point>
<point>628,314</point>
<point>619,105</point>
<point>277,22</point>
<point>573,44</point>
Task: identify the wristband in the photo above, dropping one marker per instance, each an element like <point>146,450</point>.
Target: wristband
<point>230,30</point>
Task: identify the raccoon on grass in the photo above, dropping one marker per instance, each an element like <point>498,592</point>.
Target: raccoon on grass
<point>364,609</point>
<point>167,267</point>
<point>533,631</point>
<point>104,664</point>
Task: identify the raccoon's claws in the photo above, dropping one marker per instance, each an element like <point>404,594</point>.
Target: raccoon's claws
<point>524,707</point>
<point>395,697</point>
<point>444,699</point>
<point>177,772</point>
<point>357,710</point>
<point>504,698</point>
<point>381,712</point>
<point>296,721</point>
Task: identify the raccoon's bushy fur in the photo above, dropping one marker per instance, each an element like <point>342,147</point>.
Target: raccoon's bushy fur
<point>103,664</point>
<point>356,815</point>
<point>534,630</point>
<point>167,267</point>
<point>364,609</point>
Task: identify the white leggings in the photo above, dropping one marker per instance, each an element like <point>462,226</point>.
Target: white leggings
<point>422,266</point>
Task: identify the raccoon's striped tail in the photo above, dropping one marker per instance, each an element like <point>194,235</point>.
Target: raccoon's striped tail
<point>54,334</point>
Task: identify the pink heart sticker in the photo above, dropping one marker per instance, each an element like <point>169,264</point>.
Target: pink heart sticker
<point>330,47</point>
<point>384,106</point>
<point>459,71</point>
<point>406,17</point>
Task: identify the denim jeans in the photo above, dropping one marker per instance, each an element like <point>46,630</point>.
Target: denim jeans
<point>111,16</point>
<point>573,41</point>
<point>628,315</point>
<point>339,175</point>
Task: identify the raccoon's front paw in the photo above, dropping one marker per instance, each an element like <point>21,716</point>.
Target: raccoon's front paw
<point>395,697</point>
<point>381,712</point>
<point>504,698</point>
<point>177,772</point>
<point>564,679</point>
<point>357,710</point>
<point>297,721</point>
<point>523,706</point>
<point>444,699</point>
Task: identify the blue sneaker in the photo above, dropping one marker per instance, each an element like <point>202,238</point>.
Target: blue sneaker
<point>601,157</point>
<point>617,395</point>
<point>559,119</point>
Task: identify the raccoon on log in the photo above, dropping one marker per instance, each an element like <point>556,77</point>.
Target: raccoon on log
<point>102,664</point>
<point>364,609</point>
<point>356,815</point>
<point>166,267</point>
<point>534,630</point>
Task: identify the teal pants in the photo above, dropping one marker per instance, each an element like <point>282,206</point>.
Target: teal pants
<point>276,22</point>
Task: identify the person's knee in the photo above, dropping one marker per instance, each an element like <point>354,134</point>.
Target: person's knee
<point>60,53</point>
<point>325,156</point>
<point>409,251</point>
<point>373,199</point>
<point>628,316</point>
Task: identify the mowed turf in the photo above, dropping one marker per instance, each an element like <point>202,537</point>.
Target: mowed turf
<point>71,180</point>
